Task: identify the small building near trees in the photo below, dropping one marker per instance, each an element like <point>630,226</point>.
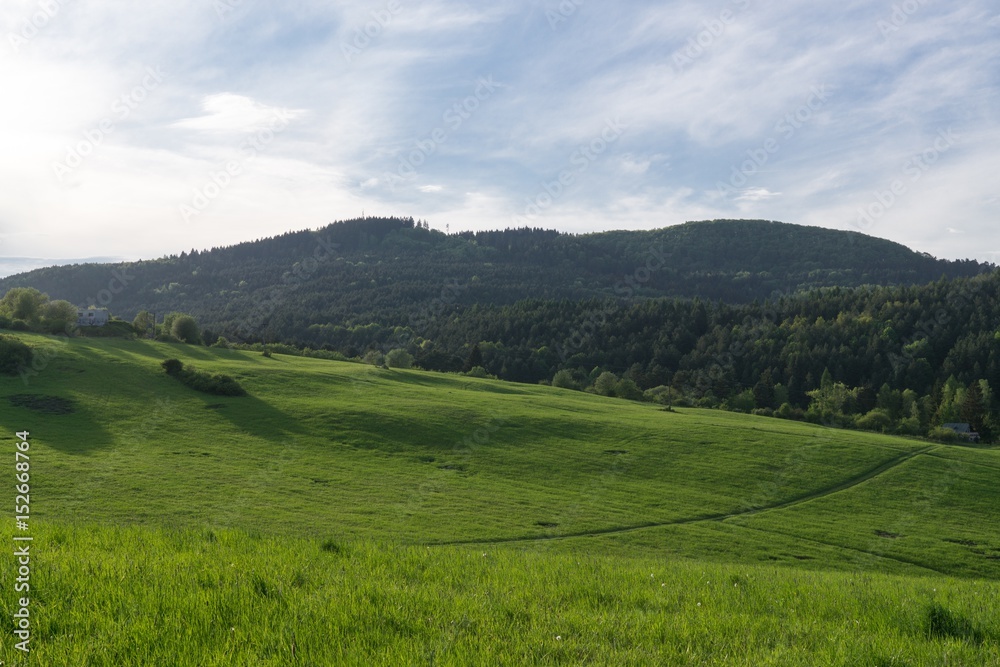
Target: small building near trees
<point>964,431</point>
<point>92,317</point>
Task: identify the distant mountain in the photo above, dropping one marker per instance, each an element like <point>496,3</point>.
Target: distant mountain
<point>13,265</point>
<point>389,270</point>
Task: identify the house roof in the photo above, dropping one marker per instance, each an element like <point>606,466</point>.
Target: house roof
<point>959,428</point>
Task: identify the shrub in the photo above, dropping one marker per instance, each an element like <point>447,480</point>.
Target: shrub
<point>942,434</point>
<point>877,420</point>
<point>14,355</point>
<point>564,379</point>
<point>221,342</point>
<point>374,358</point>
<point>663,394</point>
<point>479,372</point>
<point>605,384</point>
<point>626,388</point>
<point>113,329</point>
<point>214,383</point>
<point>185,329</point>
<point>399,358</point>
<point>209,383</point>
<point>172,366</point>
<point>742,402</point>
<point>787,411</point>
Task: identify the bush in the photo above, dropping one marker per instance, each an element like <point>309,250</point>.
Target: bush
<point>374,358</point>
<point>14,355</point>
<point>942,434</point>
<point>221,342</point>
<point>626,388</point>
<point>663,394</point>
<point>743,402</point>
<point>479,372</point>
<point>214,383</point>
<point>877,420</point>
<point>605,384</point>
<point>399,358</point>
<point>209,383</point>
<point>564,380</point>
<point>185,329</point>
<point>113,329</point>
<point>172,366</point>
<point>909,426</point>
<point>787,411</point>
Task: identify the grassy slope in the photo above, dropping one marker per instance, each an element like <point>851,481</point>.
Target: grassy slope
<point>326,450</point>
<point>349,451</point>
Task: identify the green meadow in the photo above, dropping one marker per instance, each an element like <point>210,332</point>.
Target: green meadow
<point>347,514</point>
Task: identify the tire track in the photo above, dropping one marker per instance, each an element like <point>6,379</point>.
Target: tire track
<point>798,500</point>
<point>845,547</point>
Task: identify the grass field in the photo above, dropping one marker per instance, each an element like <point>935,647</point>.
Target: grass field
<point>845,548</point>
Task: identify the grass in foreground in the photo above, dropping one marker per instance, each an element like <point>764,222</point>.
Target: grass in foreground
<point>136,596</point>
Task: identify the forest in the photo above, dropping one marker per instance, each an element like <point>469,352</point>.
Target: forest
<point>748,316</point>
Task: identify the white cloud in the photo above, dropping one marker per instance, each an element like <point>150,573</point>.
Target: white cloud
<point>357,120</point>
<point>236,113</point>
<point>756,194</point>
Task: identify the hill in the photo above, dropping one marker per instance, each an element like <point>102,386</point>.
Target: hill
<point>343,513</point>
<point>351,451</point>
<point>389,271</point>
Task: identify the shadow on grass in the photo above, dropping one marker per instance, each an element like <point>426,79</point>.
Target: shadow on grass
<point>72,429</point>
<point>942,623</point>
<point>252,415</point>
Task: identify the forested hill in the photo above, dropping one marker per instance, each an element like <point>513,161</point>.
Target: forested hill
<point>387,269</point>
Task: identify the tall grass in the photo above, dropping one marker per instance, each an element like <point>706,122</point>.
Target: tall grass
<point>119,597</point>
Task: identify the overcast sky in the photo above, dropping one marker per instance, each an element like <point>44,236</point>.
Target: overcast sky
<point>142,129</point>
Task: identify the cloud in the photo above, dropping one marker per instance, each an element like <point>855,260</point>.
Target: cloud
<point>741,114</point>
<point>756,194</point>
<point>228,112</point>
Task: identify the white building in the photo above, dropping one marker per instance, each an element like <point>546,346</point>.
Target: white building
<point>92,317</point>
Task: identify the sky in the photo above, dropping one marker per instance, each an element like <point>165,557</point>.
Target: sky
<point>136,130</point>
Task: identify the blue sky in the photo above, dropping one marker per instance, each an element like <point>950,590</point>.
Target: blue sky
<point>136,130</point>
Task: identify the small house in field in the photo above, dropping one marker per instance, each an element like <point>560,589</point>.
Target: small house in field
<point>964,431</point>
<point>92,317</point>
